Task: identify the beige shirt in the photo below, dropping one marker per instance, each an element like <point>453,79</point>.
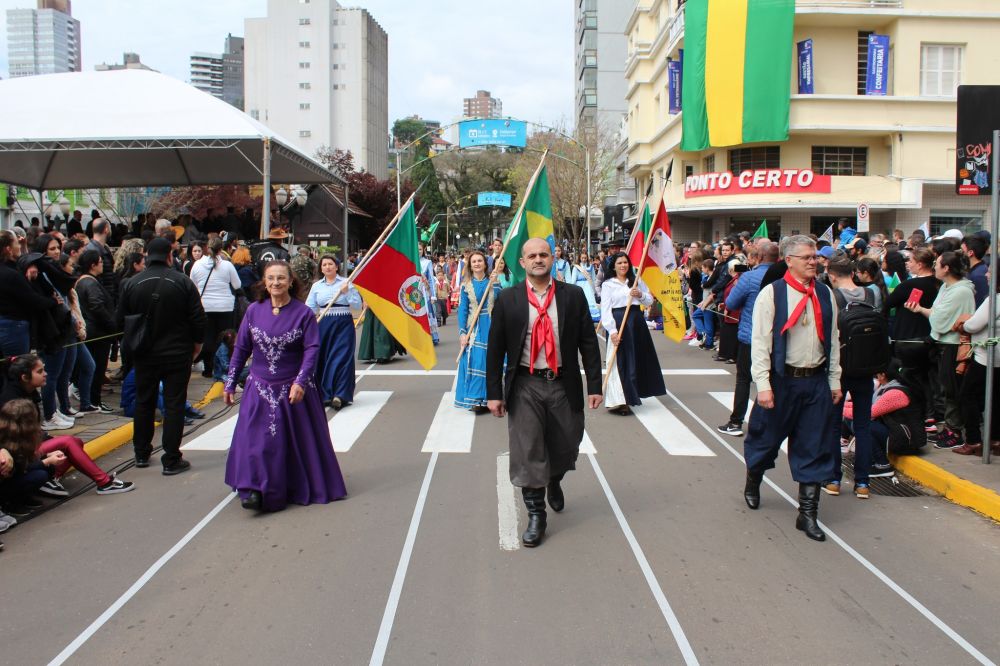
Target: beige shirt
<point>532,318</point>
<point>804,349</point>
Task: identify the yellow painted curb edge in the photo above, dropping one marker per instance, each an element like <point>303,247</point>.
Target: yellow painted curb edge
<point>954,488</point>
<point>109,441</point>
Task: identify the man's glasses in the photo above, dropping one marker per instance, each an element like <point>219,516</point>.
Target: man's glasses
<point>804,257</point>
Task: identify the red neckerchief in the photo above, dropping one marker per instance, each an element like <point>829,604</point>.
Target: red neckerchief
<point>541,332</point>
<point>810,295</point>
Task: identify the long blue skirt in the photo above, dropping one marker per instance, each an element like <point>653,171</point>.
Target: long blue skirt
<point>335,365</point>
<point>470,389</point>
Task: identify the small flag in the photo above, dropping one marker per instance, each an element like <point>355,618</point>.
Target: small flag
<point>828,235</point>
<point>926,228</point>
<point>535,221</point>
<point>659,270</point>
<point>893,282</point>
<point>429,234</point>
<point>761,231</point>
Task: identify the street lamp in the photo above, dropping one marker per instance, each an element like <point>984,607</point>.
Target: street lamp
<point>299,196</point>
<point>64,206</point>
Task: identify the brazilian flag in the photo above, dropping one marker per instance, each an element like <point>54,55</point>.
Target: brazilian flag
<point>535,221</point>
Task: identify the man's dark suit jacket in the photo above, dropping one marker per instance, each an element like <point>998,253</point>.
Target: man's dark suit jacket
<point>509,328</point>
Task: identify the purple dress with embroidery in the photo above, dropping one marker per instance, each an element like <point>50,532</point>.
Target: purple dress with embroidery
<point>280,449</point>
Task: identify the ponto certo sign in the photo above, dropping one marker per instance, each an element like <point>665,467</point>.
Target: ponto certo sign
<point>757,181</point>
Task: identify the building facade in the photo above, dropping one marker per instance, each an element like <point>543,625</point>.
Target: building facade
<point>600,48</point>
<point>318,74</point>
<point>483,105</point>
<point>45,40</point>
<point>220,74</point>
<point>895,152</point>
<point>129,61</point>
<point>206,72</point>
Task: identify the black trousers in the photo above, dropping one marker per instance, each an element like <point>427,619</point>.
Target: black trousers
<point>175,374</point>
<point>743,380</point>
<point>101,351</point>
<point>973,402</point>
<point>215,323</point>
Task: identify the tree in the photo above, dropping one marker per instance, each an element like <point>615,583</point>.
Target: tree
<point>197,200</point>
<point>406,130</point>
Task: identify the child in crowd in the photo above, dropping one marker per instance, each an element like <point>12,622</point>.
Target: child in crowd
<point>442,292</point>
<point>129,399</point>
<point>227,339</point>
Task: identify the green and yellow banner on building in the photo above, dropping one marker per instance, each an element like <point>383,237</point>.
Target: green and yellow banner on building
<point>737,77</point>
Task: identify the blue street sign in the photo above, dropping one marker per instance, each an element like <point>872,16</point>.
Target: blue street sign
<point>492,133</point>
<point>494,199</point>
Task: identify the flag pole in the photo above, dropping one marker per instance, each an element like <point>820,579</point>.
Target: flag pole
<point>518,219</point>
<point>628,304</point>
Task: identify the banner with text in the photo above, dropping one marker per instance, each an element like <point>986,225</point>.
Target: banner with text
<point>978,116</point>
<point>877,79</point>
<point>759,181</point>
<point>806,86</point>
<point>494,199</point>
<point>492,133</point>
<point>674,86</point>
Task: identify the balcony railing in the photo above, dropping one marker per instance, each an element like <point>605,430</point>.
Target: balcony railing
<point>851,4</point>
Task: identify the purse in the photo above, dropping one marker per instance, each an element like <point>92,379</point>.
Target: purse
<point>140,327</point>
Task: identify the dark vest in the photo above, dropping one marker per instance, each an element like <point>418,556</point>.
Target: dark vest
<point>780,340</point>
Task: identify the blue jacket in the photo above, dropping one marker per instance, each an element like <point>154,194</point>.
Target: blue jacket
<point>743,296</point>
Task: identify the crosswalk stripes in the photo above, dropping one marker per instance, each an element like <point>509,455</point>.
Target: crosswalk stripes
<point>217,439</point>
<point>348,424</point>
<point>669,432</point>
<point>726,398</point>
<point>451,429</point>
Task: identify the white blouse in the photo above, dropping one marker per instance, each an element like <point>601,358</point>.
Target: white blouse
<point>614,294</point>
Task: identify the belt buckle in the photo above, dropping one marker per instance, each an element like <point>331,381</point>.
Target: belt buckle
<point>549,375</point>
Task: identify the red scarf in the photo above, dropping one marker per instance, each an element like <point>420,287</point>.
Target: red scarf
<point>541,332</point>
<point>810,295</point>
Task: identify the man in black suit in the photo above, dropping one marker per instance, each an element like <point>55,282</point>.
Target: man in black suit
<point>540,327</point>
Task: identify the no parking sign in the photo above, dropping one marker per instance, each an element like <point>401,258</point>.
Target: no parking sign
<point>864,217</point>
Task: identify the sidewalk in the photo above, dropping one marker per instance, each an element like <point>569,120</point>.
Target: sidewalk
<point>964,480</point>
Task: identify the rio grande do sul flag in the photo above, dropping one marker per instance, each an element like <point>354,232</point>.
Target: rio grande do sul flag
<point>389,283</point>
<point>659,269</point>
<point>736,83</point>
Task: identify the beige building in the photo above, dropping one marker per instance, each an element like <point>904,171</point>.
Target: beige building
<point>894,152</point>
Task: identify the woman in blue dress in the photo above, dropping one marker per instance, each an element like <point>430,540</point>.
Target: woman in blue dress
<point>582,275</point>
<point>470,387</point>
<point>335,365</point>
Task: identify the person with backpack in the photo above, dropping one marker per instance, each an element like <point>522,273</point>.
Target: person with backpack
<point>864,351</point>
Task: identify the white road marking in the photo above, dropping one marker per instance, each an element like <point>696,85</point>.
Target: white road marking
<point>138,585</point>
<point>689,372</point>
<point>389,616</point>
<point>726,399</point>
<point>675,437</point>
<point>451,429</point>
<point>587,446</point>
<point>217,439</point>
<point>654,585</point>
<point>672,372</point>
<point>347,425</point>
<point>506,505</point>
<point>861,559</point>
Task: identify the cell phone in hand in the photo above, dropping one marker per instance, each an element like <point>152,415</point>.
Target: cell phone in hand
<point>915,296</point>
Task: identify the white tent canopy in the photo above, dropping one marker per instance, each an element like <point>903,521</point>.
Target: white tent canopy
<point>133,128</point>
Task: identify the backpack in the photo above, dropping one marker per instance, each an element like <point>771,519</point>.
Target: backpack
<point>864,336</point>
<point>906,426</point>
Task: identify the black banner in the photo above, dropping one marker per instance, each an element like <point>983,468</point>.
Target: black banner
<point>978,116</point>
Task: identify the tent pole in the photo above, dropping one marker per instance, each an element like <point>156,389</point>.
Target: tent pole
<point>347,195</point>
<point>265,208</point>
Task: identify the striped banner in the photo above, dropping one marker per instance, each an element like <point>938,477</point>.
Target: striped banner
<point>737,72</point>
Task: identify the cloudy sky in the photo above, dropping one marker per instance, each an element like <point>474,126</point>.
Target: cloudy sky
<point>440,51</point>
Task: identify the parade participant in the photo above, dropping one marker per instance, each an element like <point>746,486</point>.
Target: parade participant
<point>427,287</point>
<point>335,365</point>
<point>304,266</point>
<point>268,250</point>
<point>496,249</point>
<point>541,328</point>
<point>281,450</point>
<point>170,308</point>
<point>797,372</point>
<point>582,274</point>
<point>636,371</point>
<point>560,265</point>
<point>376,343</point>
<point>442,292</point>
<point>470,388</point>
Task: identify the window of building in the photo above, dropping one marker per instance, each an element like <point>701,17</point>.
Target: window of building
<point>303,65</point>
<point>340,86</point>
<point>688,171</point>
<point>305,86</point>
<point>255,114</point>
<point>304,105</point>
<point>940,69</point>
<point>336,66</point>
<point>305,133</point>
<point>840,160</point>
<point>863,60</point>
<point>758,157</point>
<point>708,164</point>
<point>965,221</point>
<point>304,21</point>
<point>304,45</point>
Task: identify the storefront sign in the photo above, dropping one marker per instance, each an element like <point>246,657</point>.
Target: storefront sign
<point>978,116</point>
<point>877,79</point>
<point>806,67</point>
<point>760,181</point>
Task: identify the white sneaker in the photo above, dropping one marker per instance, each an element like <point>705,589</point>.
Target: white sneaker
<point>694,342</point>
<point>53,424</point>
<point>65,417</point>
<point>74,391</point>
<point>198,367</point>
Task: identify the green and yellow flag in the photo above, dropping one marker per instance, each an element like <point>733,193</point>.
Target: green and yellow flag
<point>761,231</point>
<point>535,221</point>
<point>736,83</point>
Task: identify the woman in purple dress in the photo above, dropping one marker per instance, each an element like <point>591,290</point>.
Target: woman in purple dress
<point>281,450</point>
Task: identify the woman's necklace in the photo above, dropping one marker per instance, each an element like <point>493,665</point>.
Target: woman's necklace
<point>276,309</point>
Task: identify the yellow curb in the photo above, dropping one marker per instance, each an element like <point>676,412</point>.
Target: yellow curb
<point>954,488</point>
<point>122,435</point>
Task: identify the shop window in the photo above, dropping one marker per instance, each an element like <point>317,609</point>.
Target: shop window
<point>840,160</point>
<point>758,157</point>
<point>967,222</point>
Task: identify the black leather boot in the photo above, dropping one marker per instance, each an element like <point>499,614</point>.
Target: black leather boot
<point>751,491</point>
<point>253,502</point>
<point>555,494</point>
<point>808,506</point>
<point>534,499</point>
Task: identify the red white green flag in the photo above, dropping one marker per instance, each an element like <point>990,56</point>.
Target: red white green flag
<point>659,268</point>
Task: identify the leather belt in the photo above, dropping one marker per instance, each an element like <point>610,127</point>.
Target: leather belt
<point>792,371</point>
<point>542,373</point>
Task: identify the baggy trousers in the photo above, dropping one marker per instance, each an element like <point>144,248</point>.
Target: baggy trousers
<point>545,432</point>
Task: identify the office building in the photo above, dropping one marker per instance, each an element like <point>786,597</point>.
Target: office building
<point>483,105</point>
<point>45,40</point>
<point>600,47</point>
<point>894,150</point>
<point>206,72</point>
<point>129,61</point>
<point>220,74</point>
<point>318,74</point>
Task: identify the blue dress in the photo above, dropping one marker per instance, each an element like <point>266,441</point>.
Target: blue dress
<point>470,389</point>
<point>335,365</point>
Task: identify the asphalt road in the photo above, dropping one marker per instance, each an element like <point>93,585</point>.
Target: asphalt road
<point>656,559</point>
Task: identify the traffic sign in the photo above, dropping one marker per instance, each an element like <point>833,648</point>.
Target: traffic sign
<point>864,217</point>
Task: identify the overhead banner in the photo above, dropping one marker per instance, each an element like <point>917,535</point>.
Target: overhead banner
<point>492,133</point>
<point>877,79</point>
<point>978,116</point>
<point>674,86</point>
<point>806,67</point>
<point>758,181</point>
<point>494,199</point>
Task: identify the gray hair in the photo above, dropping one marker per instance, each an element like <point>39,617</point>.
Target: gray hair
<point>793,242</point>
<point>162,226</point>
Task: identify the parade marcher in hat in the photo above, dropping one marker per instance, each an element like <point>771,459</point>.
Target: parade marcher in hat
<point>270,249</point>
<point>335,364</point>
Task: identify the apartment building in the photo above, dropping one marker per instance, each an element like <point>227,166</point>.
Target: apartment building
<point>45,40</point>
<point>483,105</point>
<point>600,47</point>
<point>894,150</point>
